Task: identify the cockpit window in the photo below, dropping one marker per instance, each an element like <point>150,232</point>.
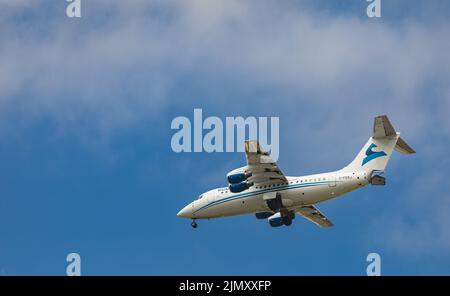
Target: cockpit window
<point>200,197</point>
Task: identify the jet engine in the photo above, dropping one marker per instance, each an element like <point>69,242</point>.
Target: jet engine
<point>284,217</point>
<point>238,178</point>
<point>275,220</point>
<point>235,188</point>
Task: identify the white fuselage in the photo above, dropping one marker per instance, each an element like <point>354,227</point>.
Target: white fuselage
<point>297,192</point>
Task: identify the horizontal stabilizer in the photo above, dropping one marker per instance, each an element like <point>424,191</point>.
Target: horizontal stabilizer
<point>375,155</point>
<point>382,127</point>
<point>403,147</point>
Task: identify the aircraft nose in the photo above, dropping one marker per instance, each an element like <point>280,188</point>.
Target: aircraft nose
<point>185,212</point>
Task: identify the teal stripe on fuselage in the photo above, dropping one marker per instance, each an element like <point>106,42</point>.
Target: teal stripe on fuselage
<point>274,189</point>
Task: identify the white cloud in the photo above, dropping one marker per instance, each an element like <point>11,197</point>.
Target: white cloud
<point>119,65</point>
<point>332,60</point>
<point>125,67</point>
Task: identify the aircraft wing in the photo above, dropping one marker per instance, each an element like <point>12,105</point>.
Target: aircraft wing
<point>260,164</point>
<point>314,215</point>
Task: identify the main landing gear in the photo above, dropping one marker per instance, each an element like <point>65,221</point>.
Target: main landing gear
<point>287,216</point>
<point>194,224</point>
<point>276,205</point>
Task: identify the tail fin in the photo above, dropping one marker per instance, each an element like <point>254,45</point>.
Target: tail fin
<point>375,155</point>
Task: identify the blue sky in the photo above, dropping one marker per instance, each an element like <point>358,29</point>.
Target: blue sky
<point>86,105</point>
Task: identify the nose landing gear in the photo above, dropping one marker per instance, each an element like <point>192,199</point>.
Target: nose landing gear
<point>194,224</point>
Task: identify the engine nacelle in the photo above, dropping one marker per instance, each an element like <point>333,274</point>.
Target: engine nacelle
<point>235,188</point>
<point>283,217</point>
<point>275,220</point>
<point>263,215</point>
<point>238,178</point>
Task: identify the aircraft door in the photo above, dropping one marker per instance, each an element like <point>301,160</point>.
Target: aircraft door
<point>210,197</point>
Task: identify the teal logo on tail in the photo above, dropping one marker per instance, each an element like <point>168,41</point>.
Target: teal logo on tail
<point>370,154</point>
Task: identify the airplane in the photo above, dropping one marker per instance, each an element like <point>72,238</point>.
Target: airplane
<point>261,188</point>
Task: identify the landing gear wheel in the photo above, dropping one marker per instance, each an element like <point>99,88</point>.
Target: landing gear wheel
<point>287,221</point>
<point>287,217</point>
<point>194,224</point>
